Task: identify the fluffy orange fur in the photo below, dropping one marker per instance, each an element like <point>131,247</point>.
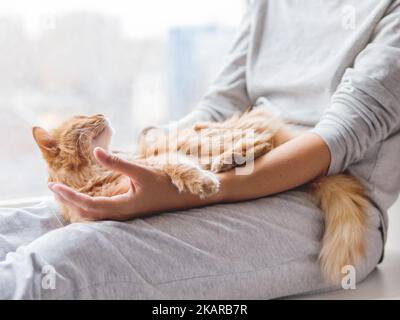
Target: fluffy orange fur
<point>191,158</point>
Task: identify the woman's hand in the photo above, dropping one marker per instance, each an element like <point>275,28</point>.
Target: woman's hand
<point>151,191</point>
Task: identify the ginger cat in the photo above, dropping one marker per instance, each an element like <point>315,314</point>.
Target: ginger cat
<point>192,156</point>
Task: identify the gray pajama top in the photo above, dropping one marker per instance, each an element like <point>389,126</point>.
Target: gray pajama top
<point>330,65</point>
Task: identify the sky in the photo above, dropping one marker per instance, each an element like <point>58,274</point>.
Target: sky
<point>139,18</point>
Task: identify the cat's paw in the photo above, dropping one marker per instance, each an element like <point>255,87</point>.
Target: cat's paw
<point>202,183</point>
<point>226,161</point>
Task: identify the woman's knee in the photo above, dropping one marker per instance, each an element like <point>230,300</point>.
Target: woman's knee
<point>57,264</point>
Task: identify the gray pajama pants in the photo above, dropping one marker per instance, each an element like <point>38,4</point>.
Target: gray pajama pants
<point>259,249</point>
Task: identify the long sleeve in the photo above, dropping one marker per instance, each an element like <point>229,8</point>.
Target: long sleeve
<point>365,109</point>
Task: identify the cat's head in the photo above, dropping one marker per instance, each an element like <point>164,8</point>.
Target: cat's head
<point>69,148</point>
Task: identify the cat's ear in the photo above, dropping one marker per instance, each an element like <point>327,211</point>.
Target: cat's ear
<point>45,141</point>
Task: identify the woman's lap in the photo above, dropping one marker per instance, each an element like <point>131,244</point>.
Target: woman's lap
<point>259,249</point>
<point>20,226</point>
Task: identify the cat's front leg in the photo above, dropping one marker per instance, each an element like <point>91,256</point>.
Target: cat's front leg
<point>187,175</point>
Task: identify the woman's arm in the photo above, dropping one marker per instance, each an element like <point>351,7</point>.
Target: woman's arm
<point>289,165</point>
<point>365,109</point>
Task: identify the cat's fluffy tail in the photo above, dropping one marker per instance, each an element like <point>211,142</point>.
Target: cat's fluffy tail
<point>344,205</point>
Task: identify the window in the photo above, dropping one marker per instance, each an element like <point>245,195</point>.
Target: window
<point>138,62</point>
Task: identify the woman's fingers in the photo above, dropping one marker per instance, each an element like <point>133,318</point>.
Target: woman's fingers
<point>115,163</point>
<point>74,210</point>
<point>115,207</point>
<point>70,205</point>
<point>65,196</point>
<point>80,200</point>
<point>93,207</point>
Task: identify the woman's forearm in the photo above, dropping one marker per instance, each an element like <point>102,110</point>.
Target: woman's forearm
<point>290,165</point>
